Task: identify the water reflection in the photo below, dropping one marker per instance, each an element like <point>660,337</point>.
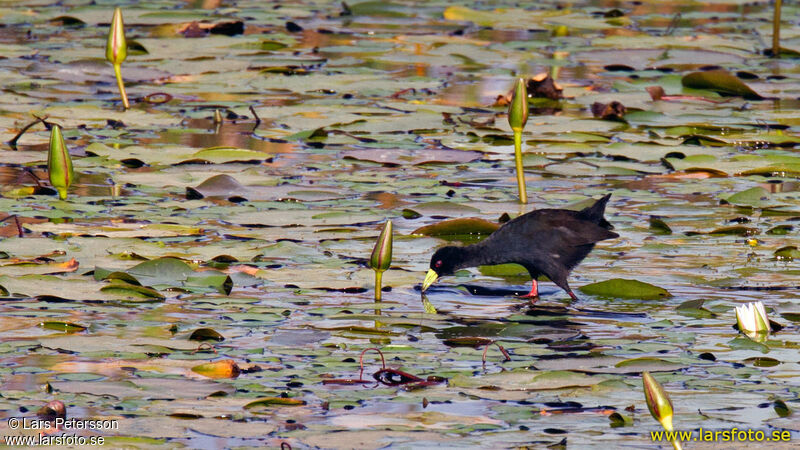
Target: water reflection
<point>203,133</point>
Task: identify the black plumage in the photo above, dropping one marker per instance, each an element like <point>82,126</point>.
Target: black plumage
<point>547,242</point>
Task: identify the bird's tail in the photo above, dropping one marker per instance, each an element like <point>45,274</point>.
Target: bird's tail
<point>595,212</point>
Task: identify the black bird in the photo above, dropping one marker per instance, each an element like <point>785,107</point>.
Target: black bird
<point>547,242</point>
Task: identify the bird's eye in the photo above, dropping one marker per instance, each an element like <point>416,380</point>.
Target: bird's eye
<point>438,264</point>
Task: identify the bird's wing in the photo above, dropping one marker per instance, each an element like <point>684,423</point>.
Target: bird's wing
<point>556,230</point>
<point>553,242</point>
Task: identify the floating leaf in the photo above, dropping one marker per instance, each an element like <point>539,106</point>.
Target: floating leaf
<point>132,291</point>
<point>66,327</point>
<point>105,274</point>
<point>222,155</point>
<point>618,420</point>
<point>410,214</point>
<point>658,226</point>
<point>464,14</point>
<point>206,334</point>
<point>622,288</point>
<point>694,308</point>
<point>756,197</point>
<point>635,365</point>
<point>781,408</point>
<point>791,316</point>
<point>219,369</point>
<point>211,279</point>
<point>458,227</point>
<point>720,81</point>
<point>736,230</point>
<point>266,402</point>
<point>787,253</point>
<point>780,230</point>
<point>762,361</point>
<point>467,341</point>
<point>166,271</point>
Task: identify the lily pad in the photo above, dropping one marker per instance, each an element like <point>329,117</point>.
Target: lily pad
<point>218,369</point>
<point>266,403</point>
<point>720,81</point>
<point>458,227</point>
<point>622,288</point>
<point>756,197</point>
<point>66,327</point>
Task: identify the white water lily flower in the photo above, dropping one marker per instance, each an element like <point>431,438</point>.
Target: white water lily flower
<point>752,318</point>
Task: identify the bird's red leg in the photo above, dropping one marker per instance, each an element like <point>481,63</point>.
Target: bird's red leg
<point>534,293</point>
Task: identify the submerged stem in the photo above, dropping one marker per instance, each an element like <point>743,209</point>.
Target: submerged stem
<point>121,85</point>
<point>776,30</point>
<point>523,194</point>
<point>378,281</point>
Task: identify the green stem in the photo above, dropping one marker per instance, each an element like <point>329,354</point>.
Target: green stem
<point>121,85</point>
<point>776,30</point>
<point>378,282</point>
<point>523,195</point>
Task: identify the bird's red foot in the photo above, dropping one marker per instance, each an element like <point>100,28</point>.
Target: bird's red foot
<point>533,294</point>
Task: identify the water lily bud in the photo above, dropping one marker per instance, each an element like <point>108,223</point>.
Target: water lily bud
<point>116,47</point>
<point>518,109</point>
<point>381,256</point>
<point>752,318</point>
<point>59,164</point>
<point>658,401</point>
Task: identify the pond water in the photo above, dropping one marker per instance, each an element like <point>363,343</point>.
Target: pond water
<point>260,227</point>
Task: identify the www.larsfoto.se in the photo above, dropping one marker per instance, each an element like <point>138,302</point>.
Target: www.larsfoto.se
<point>732,435</point>
<point>40,440</point>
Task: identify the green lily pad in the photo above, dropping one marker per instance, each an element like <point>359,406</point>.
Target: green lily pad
<point>622,288</point>
<point>132,291</point>
<point>694,308</point>
<point>162,273</point>
<point>638,365</point>
<point>458,227</point>
<point>66,327</point>
<point>781,409</point>
<point>221,155</point>
<point>658,226</point>
<point>206,334</point>
<point>267,402</point>
<point>720,81</point>
<point>756,197</point>
<point>788,253</point>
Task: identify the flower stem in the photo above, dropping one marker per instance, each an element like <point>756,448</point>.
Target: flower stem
<point>378,282</point>
<point>677,444</point>
<point>776,30</point>
<point>523,195</point>
<point>121,85</point>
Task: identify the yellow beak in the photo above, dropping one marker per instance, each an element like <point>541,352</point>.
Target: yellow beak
<point>430,278</point>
